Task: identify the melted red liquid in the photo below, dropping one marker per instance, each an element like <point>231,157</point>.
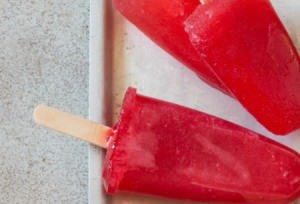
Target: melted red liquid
<point>247,47</point>
<point>167,150</point>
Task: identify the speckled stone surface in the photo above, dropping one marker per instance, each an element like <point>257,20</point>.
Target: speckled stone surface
<point>43,59</point>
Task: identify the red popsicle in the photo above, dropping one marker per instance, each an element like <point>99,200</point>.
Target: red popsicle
<point>167,150</point>
<point>162,21</point>
<point>246,45</point>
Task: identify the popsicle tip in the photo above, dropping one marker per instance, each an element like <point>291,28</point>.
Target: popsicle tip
<point>36,112</point>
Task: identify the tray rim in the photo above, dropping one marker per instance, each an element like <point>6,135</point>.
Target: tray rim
<point>96,93</point>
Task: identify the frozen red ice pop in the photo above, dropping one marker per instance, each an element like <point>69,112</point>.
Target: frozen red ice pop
<point>166,150</point>
<point>162,21</point>
<point>248,48</point>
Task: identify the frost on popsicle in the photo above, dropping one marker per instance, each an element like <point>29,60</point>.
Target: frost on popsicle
<point>245,44</point>
<point>162,21</point>
<point>167,150</point>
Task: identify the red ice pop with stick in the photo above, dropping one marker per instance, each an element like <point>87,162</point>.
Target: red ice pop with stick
<point>167,150</point>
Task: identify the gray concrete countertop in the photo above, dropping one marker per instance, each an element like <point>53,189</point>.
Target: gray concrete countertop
<point>43,59</point>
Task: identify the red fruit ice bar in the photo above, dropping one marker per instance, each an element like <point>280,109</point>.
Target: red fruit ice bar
<point>167,150</point>
<point>162,21</point>
<point>246,45</point>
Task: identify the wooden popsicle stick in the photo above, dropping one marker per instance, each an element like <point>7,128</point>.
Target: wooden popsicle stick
<point>72,125</point>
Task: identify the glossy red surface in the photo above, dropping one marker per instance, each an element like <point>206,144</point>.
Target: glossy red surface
<point>248,48</point>
<point>162,21</point>
<point>167,150</point>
